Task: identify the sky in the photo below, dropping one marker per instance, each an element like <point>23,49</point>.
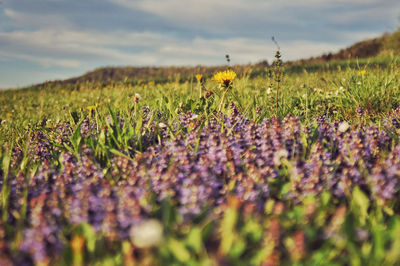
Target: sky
<point>57,39</point>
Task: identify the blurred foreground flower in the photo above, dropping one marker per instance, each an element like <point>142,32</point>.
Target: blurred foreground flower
<point>78,245</point>
<point>225,78</point>
<point>147,234</point>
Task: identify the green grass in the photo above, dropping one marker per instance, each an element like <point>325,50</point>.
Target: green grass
<point>336,90</point>
<point>303,93</point>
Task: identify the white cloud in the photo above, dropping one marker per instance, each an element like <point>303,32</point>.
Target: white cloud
<point>41,60</point>
<point>206,11</point>
<point>25,19</point>
<point>74,49</point>
<point>257,18</point>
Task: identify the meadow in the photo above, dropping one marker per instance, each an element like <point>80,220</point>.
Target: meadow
<point>290,165</point>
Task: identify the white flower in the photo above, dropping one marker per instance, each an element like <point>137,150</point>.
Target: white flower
<point>137,97</point>
<point>282,153</point>
<point>162,125</point>
<point>194,116</point>
<point>269,90</point>
<point>147,234</point>
<point>343,126</point>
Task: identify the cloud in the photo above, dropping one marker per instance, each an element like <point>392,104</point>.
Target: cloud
<point>20,19</point>
<point>73,14</point>
<point>307,20</point>
<point>41,60</point>
<point>74,49</point>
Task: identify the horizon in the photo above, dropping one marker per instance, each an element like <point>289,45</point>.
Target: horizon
<point>45,40</point>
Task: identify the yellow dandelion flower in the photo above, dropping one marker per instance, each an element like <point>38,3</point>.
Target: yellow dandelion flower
<point>91,108</point>
<point>225,78</point>
<point>199,77</point>
<point>362,73</point>
<point>9,115</point>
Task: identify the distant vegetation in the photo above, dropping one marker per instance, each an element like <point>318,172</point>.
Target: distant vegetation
<point>383,47</point>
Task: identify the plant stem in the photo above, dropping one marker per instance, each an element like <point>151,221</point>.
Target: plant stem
<point>135,110</point>
<point>200,87</point>
<point>222,99</point>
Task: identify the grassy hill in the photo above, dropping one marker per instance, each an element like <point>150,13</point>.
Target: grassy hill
<point>381,47</point>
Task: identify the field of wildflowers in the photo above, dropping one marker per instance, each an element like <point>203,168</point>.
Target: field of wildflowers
<point>298,168</point>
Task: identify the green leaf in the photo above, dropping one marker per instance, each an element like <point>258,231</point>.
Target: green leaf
<point>76,139</point>
<point>116,152</point>
<point>179,250</point>
<point>228,229</point>
<point>360,204</point>
<point>393,256</point>
<point>238,248</point>
<point>253,229</point>
<point>6,189</point>
<point>285,188</point>
<point>194,239</point>
<point>90,235</point>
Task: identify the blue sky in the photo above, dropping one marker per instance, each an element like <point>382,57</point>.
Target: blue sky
<point>57,39</point>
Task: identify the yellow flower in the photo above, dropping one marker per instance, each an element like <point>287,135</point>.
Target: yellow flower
<point>199,77</point>
<point>225,77</point>
<point>362,73</point>
<point>77,243</point>
<point>91,108</point>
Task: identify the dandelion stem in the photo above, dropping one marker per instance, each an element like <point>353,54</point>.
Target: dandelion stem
<point>200,87</point>
<point>135,110</point>
<point>222,99</point>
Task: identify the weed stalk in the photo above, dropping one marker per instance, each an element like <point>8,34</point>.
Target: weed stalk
<point>278,73</point>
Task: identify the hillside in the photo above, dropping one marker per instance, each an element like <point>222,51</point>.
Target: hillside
<point>384,45</point>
